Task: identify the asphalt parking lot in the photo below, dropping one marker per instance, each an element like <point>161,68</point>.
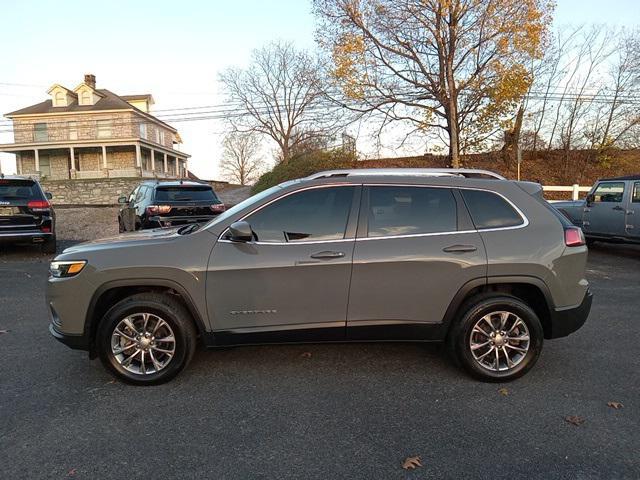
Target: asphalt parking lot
<point>323,411</point>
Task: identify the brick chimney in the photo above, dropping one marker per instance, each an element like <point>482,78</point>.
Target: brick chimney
<point>90,80</point>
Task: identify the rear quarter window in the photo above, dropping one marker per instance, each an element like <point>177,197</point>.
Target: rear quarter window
<point>490,210</point>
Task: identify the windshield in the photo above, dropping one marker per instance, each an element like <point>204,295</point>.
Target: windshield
<point>248,202</point>
<point>186,194</point>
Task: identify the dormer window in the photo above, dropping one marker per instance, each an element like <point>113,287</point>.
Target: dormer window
<point>85,98</point>
<point>60,99</point>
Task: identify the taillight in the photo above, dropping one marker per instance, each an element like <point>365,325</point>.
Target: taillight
<point>218,207</point>
<point>45,229</point>
<point>38,205</point>
<point>158,209</point>
<point>573,237</point>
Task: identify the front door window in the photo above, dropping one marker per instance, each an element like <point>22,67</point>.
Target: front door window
<point>318,214</point>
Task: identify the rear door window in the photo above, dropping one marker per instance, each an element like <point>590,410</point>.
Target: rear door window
<point>636,193</point>
<point>186,194</point>
<point>490,210</point>
<point>18,191</point>
<point>401,210</point>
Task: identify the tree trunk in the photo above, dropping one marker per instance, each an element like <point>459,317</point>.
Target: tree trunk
<point>454,134</point>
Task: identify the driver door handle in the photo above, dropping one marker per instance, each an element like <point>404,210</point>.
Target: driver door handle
<point>327,255</point>
<point>618,207</point>
<point>460,248</point>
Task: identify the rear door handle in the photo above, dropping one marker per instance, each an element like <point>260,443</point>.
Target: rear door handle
<point>460,248</point>
<point>327,255</point>
<point>618,207</point>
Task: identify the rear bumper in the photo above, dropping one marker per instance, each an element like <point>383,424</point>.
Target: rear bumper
<point>34,236</point>
<point>77,342</point>
<point>567,320</point>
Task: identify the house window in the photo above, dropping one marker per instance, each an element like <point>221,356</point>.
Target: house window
<point>60,100</point>
<point>40,133</point>
<point>143,130</point>
<point>73,130</point>
<point>159,136</point>
<point>104,128</point>
<point>45,166</point>
<point>85,98</point>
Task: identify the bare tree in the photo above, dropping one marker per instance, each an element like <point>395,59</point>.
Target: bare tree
<point>241,162</point>
<point>281,96</point>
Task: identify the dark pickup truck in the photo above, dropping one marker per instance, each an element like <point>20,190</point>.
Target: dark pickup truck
<point>611,211</point>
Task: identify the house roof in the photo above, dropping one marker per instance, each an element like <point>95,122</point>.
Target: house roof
<point>108,101</point>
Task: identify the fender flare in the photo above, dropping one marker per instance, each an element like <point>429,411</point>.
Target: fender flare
<point>141,282</point>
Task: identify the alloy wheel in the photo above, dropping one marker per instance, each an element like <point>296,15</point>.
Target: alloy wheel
<point>499,341</point>
<point>143,343</point>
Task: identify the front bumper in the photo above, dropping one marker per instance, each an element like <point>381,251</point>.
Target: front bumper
<point>567,320</point>
<point>77,342</point>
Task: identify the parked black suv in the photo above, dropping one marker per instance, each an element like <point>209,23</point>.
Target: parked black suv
<point>164,204</point>
<point>26,216</point>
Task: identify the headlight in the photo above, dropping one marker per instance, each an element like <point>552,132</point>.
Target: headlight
<point>66,269</point>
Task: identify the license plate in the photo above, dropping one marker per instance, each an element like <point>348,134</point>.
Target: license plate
<point>6,211</point>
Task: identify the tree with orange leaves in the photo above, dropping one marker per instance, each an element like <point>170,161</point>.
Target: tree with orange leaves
<point>461,66</point>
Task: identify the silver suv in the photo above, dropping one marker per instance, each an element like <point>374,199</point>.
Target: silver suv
<point>480,262</point>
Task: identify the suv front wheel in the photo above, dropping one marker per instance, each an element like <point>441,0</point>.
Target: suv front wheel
<point>497,338</point>
<point>147,338</point>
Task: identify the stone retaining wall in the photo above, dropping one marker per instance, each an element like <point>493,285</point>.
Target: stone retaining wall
<point>101,191</point>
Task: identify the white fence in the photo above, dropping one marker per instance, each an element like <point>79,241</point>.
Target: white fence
<point>574,189</point>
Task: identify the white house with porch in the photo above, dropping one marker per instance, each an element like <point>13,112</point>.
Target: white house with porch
<point>93,133</point>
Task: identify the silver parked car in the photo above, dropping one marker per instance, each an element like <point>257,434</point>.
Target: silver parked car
<point>480,262</point>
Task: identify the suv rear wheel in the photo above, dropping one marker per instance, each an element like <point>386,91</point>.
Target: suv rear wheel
<point>497,338</point>
<point>147,338</point>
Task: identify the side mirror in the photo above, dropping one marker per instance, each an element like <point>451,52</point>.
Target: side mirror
<point>122,199</point>
<point>48,195</point>
<point>590,198</point>
<point>240,232</point>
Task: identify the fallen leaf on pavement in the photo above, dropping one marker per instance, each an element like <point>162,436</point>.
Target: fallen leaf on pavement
<point>616,405</point>
<point>575,420</point>
<point>411,462</point>
<point>504,391</point>
<point>72,472</point>
<point>306,355</point>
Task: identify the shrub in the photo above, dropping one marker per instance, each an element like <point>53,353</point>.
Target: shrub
<point>304,165</point>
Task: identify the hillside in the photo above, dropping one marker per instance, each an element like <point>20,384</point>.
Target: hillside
<point>549,167</point>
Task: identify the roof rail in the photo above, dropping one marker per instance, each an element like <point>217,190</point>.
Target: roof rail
<point>412,172</point>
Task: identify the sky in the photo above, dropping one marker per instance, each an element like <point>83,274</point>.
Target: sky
<point>173,50</point>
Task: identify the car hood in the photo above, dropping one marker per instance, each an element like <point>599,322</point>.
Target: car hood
<point>126,239</point>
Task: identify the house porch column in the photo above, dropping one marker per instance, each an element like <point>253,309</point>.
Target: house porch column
<point>72,157</point>
<point>165,163</point>
<point>104,156</point>
<point>36,152</point>
<point>153,160</point>
<point>138,159</point>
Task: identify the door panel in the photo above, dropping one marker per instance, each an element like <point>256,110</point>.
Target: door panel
<point>296,273</point>
<point>606,214</point>
<point>414,251</point>
<point>411,280</point>
<point>253,285</point>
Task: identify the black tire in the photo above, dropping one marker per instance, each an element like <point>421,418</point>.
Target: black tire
<point>168,309</point>
<point>49,246</point>
<point>121,228</point>
<point>459,339</point>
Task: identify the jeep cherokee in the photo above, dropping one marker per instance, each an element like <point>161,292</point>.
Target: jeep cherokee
<point>480,262</point>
